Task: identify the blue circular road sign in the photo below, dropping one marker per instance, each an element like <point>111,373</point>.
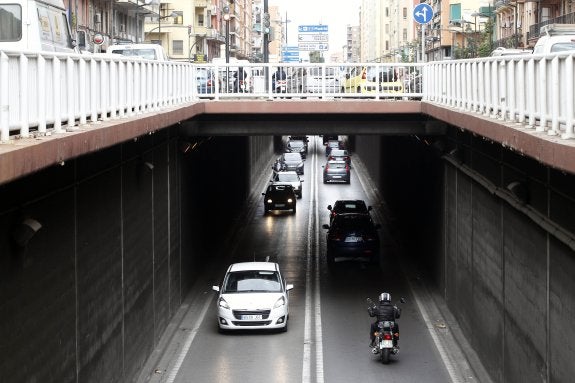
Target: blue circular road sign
<point>422,13</point>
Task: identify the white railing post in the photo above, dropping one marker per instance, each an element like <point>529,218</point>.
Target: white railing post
<point>82,91</point>
<point>41,95</point>
<point>555,97</point>
<point>23,81</point>
<point>531,86</point>
<point>542,100</point>
<point>4,99</point>
<point>57,94</point>
<point>569,99</point>
<point>71,93</point>
<point>93,91</point>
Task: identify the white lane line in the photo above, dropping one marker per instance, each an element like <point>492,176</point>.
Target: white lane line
<point>307,340</point>
<point>318,328</point>
<point>189,339</point>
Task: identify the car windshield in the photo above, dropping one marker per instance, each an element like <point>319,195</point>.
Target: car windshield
<point>287,177</point>
<point>336,165</point>
<point>296,144</point>
<point>338,152</point>
<point>351,206</point>
<point>252,281</point>
<point>280,188</point>
<point>352,222</point>
<point>292,156</point>
<point>564,46</point>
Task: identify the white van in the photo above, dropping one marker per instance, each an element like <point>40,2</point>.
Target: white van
<point>145,51</point>
<point>556,38</point>
<point>35,25</point>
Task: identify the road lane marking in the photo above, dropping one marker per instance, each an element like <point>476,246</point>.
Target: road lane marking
<point>188,343</point>
<point>318,328</point>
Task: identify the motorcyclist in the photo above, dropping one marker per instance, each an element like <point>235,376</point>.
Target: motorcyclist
<point>278,75</point>
<point>385,311</point>
<point>239,77</point>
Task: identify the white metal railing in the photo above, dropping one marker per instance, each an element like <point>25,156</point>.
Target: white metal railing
<point>44,93</point>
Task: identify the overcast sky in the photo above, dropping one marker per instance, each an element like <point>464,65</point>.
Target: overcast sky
<point>336,14</point>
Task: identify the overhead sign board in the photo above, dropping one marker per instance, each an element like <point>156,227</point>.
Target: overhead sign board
<point>290,48</point>
<point>312,37</point>
<point>312,28</point>
<point>313,46</point>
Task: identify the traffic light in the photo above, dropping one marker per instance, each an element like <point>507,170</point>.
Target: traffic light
<point>266,28</point>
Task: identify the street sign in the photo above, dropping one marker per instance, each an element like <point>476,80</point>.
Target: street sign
<point>290,59</point>
<point>312,28</point>
<point>311,38</point>
<point>422,13</point>
<point>313,46</point>
<point>291,48</point>
<point>290,53</point>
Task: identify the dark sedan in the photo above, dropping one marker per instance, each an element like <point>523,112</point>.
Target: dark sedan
<point>352,236</point>
<point>336,171</point>
<point>343,206</point>
<point>279,197</point>
<point>292,161</point>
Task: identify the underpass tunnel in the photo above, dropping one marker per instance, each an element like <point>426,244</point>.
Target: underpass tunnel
<point>125,231</point>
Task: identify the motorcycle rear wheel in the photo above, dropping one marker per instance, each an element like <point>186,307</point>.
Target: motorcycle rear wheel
<point>384,355</point>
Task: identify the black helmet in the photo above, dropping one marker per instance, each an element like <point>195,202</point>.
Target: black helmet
<point>384,297</point>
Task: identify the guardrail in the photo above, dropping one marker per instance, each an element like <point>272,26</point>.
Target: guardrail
<point>45,93</point>
<point>534,90</point>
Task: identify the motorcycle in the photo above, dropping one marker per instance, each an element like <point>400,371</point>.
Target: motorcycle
<point>384,337</point>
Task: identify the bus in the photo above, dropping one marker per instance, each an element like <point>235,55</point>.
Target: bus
<point>35,25</point>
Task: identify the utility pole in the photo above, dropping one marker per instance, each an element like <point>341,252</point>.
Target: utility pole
<point>266,39</point>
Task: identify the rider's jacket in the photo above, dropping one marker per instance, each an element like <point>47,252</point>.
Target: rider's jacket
<point>385,311</point>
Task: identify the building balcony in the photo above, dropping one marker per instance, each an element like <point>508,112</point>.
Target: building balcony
<point>138,7</point>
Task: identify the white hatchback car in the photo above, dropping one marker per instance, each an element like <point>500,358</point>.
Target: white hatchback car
<point>253,295</point>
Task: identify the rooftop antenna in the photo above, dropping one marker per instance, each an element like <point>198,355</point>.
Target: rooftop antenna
<point>268,258</point>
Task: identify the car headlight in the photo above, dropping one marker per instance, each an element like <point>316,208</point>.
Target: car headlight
<point>223,304</point>
<point>290,200</point>
<point>280,302</point>
<point>269,200</point>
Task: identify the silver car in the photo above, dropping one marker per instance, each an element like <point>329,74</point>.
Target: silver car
<point>289,177</point>
<point>292,161</point>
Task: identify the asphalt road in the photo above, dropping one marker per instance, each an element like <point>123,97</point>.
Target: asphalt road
<point>328,335</point>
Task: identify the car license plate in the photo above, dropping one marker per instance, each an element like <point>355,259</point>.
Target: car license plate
<point>336,176</point>
<point>352,238</point>
<point>251,317</point>
<point>386,344</point>
<point>280,204</point>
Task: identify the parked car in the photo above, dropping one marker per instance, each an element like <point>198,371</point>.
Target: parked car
<point>343,206</point>
<point>292,161</point>
<point>356,81</point>
<point>339,155</point>
<point>279,197</point>
<point>336,171</point>
<point>253,295</point>
<point>330,145</point>
<point>352,236</point>
<point>310,80</point>
<point>204,82</point>
<point>297,146</point>
<point>290,178</point>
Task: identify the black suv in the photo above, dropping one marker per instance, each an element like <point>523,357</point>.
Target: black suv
<point>352,236</point>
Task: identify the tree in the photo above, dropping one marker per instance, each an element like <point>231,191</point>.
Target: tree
<point>316,57</point>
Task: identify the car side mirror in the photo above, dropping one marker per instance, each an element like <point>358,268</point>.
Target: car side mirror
<point>325,226</point>
<point>369,208</point>
<point>329,207</point>
<point>216,288</point>
<point>289,287</point>
<point>263,193</point>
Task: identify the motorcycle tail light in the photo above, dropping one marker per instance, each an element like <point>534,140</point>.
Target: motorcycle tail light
<point>376,333</point>
<point>387,336</point>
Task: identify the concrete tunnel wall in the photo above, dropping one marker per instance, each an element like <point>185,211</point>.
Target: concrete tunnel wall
<point>503,264</point>
<point>88,297</point>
